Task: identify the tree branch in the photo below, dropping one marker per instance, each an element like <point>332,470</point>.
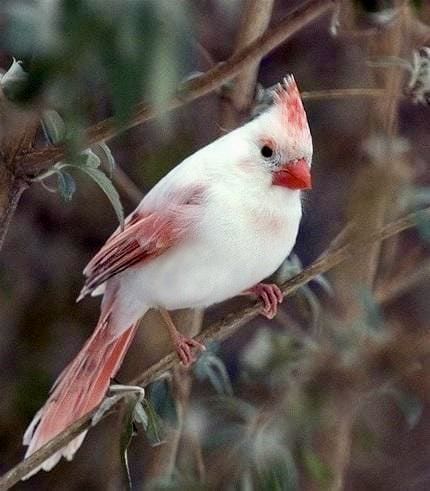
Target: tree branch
<point>15,191</point>
<point>342,93</point>
<point>254,22</point>
<point>17,132</point>
<point>127,186</point>
<point>40,160</point>
<point>401,284</point>
<point>35,161</point>
<point>217,331</point>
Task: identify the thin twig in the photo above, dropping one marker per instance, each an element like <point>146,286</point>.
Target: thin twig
<point>40,160</point>
<point>343,93</point>
<point>400,284</point>
<point>15,192</point>
<point>339,240</point>
<point>217,331</point>
<point>21,130</point>
<point>127,186</point>
<point>254,22</point>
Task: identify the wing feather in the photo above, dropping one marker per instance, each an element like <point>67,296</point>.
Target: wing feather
<point>147,235</point>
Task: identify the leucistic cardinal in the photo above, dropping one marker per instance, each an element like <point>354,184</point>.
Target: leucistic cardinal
<point>214,227</point>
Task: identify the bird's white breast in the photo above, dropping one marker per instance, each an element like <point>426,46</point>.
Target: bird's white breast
<point>240,240</point>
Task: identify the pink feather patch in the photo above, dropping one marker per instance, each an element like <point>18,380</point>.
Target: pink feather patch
<point>147,235</point>
<point>287,97</point>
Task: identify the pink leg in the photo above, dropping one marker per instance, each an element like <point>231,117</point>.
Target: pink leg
<point>271,296</point>
<point>183,344</point>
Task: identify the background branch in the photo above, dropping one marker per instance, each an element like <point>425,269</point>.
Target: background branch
<point>342,93</point>
<point>239,98</point>
<point>217,331</point>
<point>371,203</point>
<point>40,160</point>
<point>126,185</point>
<point>13,193</point>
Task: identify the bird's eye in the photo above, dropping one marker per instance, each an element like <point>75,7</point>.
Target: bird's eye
<point>266,151</point>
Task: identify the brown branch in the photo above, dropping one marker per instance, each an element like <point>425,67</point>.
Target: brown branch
<point>369,206</point>
<point>217,331</point>
<point>403,283</point>
<point>342,93</point>
<point>17,133</point>
<point>254,22</point>
<point>15,191</point>
<point>127,186</point>
<point>40,160</point>
<point>36,161</point>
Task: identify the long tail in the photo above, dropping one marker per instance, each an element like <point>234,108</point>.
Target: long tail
<point>78,390</point>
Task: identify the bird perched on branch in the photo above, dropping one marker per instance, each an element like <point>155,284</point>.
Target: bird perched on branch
<point>213,228</point>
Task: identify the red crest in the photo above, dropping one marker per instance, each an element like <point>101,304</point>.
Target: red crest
<point>287,97</point>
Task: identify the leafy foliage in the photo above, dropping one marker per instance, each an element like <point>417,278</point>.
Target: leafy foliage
<point>88,162</point>
<point>317,470</point>
<point>13,80</point>
<point>128,431</point>
<point>292,266</point>
<point>410,405</point>
<point>126,47</point>
<point>161,398</point>
<point>211,367</point>
<point>137,411</point>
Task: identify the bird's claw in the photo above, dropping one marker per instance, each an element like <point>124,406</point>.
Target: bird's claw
<point>184,346</point>
<point>271,296</point>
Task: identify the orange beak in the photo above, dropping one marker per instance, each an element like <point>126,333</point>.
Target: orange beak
<point>294,175</point>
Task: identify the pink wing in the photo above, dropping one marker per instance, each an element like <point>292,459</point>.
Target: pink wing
<point>147,234</point>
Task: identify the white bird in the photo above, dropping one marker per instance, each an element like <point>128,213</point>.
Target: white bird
<point>213,228</point>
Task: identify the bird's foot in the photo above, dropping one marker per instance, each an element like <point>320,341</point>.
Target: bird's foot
<point>271,296</point>
<point>183,344</point>
<point>184,348</point>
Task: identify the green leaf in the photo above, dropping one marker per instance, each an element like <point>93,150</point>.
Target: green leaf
<point>107,187</point>
<point>106,156</point>
<point>313,303</point>
<point>420,196</point>
<point>14,81</point>
<point>91,159</point>
<point>323,282</point>
<point>245,482</point>
<point>373,313</point>
<point>411,406</point>
<point>209,366</point>
<point>423,224</point>
<point>232,406</point>
<point>316,468</point>
<point>289,268</point>
<point>66,185</point>
<point>126,436</point>
<point>160,396</point>
<point>277,471</point>
<point>154,429</point>
<point>140,416</point>
<point>53,126</point>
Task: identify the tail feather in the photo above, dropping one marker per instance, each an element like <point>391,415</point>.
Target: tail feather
<point>78,390</point>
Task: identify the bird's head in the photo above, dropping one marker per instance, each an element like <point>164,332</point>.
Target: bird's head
<point>281,139</point>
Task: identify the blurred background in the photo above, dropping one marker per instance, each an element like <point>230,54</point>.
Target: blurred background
<point>329,395</point>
